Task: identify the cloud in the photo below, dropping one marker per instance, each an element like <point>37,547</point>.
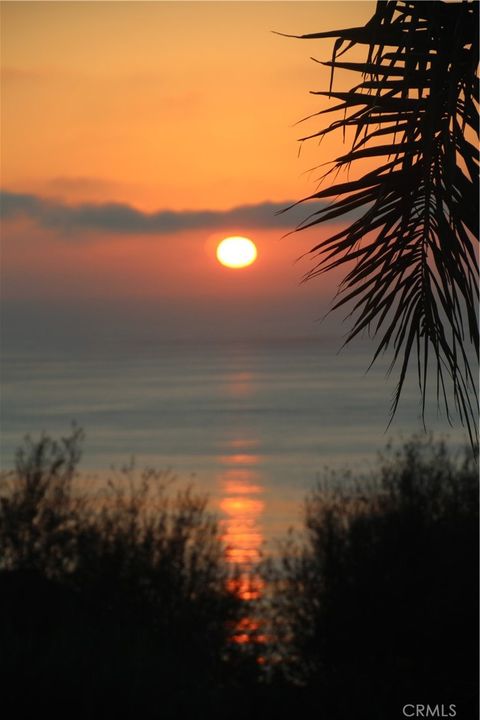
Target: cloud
<point>120,218</point>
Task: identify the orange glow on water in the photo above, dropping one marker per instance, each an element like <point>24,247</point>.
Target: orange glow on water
<point>240,384</point>
<point>246,508</point>
<point>247,587</point>
<point>243,442</point>
<point>242,536</point>
<point>242,506</point>
<point>248,630</point>
<point>240,481</point>
<point>241,532</point>
<point>240,459</point>
<point>237,488</point>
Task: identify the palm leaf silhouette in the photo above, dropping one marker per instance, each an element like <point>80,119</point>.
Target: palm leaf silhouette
<point>414,280</point>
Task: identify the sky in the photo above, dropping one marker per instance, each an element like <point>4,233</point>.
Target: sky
<point>137,135</point>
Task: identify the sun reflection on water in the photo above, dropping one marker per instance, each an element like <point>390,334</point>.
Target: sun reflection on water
<point>239,385</point>
<point>242,507</point>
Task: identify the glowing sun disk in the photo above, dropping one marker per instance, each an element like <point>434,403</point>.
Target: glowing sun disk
<point>236,252</point>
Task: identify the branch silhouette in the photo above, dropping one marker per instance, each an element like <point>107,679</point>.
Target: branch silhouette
<point>414,277</point>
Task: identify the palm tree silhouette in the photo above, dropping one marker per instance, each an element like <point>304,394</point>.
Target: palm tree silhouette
<point>413,279</point>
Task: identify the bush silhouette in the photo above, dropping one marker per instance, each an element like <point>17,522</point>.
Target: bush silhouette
<point>376,606</point>
<point>117,601</point>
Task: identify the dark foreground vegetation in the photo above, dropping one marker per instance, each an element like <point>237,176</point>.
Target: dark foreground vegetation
<point>117,604</point>
<point>378,601</point>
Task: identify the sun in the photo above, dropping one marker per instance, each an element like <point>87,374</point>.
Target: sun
<point>236,252</point>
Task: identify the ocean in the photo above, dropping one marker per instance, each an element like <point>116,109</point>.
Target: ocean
<point>252,423</point>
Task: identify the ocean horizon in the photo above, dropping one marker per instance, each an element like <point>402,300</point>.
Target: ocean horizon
<point>252,422</point>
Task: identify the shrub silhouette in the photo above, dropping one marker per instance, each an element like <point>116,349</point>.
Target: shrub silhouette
<point>110,603</point>
<point>118,603</point>
<point>376,606</point>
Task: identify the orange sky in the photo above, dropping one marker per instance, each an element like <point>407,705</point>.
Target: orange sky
<point>159,106</point>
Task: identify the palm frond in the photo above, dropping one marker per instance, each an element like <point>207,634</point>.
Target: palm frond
<point>414,282</point>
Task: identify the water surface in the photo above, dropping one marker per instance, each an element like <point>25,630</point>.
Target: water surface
<point>252,423</point>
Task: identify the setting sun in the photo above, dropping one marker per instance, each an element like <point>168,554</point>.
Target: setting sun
<point>236,252</point>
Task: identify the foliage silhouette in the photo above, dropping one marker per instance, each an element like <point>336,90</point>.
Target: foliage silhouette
<point>414,280</point>
<point>376,604</point>
<point>115,602</point>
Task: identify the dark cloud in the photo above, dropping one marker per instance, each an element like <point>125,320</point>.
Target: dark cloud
<point>124,219</point>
